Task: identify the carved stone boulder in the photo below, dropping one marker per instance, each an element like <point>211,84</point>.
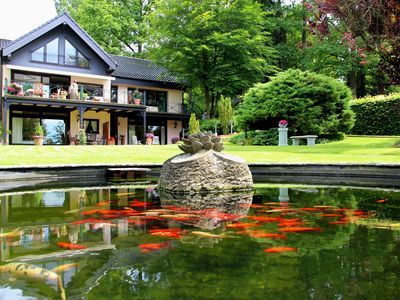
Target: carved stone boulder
<point>205,172</point>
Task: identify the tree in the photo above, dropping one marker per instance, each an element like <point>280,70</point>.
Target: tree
<point>312,104</point>
<point>225,113</point>
<point>194,125</point>
<point>118,25</point>
<point>373,24</point>
<point>218,45</point>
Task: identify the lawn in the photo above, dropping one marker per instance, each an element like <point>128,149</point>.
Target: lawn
<point>359,150</point>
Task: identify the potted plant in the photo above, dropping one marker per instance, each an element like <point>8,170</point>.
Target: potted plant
<point>15,89</point>
<point>38,136</point>
<point>137,97</point>
<point>283,123</point>
<point>81,137</point>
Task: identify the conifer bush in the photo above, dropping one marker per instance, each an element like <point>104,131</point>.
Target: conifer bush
<point>311,103</point>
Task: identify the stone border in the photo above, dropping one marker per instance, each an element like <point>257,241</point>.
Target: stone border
<point>375,175</point>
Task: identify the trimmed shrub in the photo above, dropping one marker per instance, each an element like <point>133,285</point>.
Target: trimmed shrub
<point>258,137</point>
<point>209,125</point>
<point>379,115</point>
<point>311,103</point>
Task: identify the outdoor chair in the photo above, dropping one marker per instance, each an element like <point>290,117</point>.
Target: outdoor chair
<point>156,140</point>
<point>91,138</point>
<point>72,139</point>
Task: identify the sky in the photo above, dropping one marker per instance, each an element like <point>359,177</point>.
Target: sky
<point>18,17</point>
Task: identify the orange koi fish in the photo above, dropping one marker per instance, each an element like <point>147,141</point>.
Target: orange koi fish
<point>380,201</point>
<point>310,209</point>
<point>152,247</point>
<point>331,215</point>
<point>173,235</point>
<point>264,219</point>
<point>299,229</point>
<point>291,224</point>
<point>341,222</point>
<point>254,205</point>
<point>279,249</point>
<point>268,235</point>
<point>242,225</point>
<point>70,246</point>
<point>359,213</point>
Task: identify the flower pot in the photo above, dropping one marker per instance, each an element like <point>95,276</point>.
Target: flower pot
<point>38,140</point>
<point>137,101</point>
<point>282,125</point>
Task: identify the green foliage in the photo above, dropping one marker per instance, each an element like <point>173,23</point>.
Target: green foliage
<point>379,115</point>
<point>194,125</point>
<point>225,113</point>
<point>209,125</point>
<point>39,129</point>
<point>118,26</point>
<point>310,102</point>
<point>258,137</point>
<point>217,45</point>
<point>1,131</point>
<point>81,137</point>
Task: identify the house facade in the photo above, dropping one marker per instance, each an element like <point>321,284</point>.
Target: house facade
<point>59,76</point>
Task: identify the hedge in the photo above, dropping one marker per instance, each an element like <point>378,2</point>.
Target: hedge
<point>379,115</point>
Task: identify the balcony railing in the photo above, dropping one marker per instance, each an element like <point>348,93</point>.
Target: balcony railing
<point>83,93</point>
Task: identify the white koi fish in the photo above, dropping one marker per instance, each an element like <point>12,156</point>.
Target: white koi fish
<point>32,272</point>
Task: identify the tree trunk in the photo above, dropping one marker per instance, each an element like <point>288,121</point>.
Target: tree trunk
<point>207,101</point>
<point>352,82</point>
<point>304,29</point>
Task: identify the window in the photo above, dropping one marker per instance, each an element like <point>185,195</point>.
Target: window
<point>114,94</point>
<point>47,53</point>
<point>73,57</point>
<point>91,125</point>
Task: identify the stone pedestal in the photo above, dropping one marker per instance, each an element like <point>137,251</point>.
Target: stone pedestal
<point>283,136</point>
<point>205,172</point>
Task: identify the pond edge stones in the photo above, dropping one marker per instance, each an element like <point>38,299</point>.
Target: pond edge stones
<point>204,171</point>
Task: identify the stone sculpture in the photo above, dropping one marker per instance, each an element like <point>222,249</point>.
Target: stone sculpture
<point>204,169</point>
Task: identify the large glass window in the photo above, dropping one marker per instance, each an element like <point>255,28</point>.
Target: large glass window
<point>47,53</point>
<point>73,57</point>
<point>155,100</point>
<point>91,125</point>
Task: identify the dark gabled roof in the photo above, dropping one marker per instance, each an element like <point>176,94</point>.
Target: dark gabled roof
<point>4,43</point>
<point>142,69</point>
<point>53,23</point>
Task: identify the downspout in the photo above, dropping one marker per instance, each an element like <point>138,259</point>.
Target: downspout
<point>1,99</point>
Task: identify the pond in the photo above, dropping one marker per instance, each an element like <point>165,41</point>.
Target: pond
<point>124,242</point>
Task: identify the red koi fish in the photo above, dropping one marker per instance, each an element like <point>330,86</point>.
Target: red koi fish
<point>279,249</point>
<point>299,229</point>
<point>140,204</point>
<point>310,209</point>
<point>152,247</point>
<point>242,225</point>
<point>70,246</point>
<point>268,235</point>
<point>359,213</point>
<point>264,219</point>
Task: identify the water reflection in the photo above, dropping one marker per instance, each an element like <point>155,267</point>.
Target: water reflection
<point>100,231</point>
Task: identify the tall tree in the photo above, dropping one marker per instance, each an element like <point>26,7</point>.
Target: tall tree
<point>218,45</point>
<point>117,25</point>
<point>375,24</point>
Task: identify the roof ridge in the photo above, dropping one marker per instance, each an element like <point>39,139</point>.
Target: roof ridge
<point>137,58</point>
<point>35,29</point>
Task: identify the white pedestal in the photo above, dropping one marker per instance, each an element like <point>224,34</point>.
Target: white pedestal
<point>283,136</point>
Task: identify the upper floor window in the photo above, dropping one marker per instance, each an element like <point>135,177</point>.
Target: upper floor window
<point>73,57</point>
<point>47,53</point>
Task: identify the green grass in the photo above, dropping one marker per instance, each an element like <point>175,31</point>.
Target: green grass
<point>359,150</point>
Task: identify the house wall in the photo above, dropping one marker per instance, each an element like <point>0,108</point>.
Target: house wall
<point>123,129</point>
<point>103,117</point>
<point>6,75</point>
<point>171,131</point>
<point>22,57</point>
<point>174,100</point>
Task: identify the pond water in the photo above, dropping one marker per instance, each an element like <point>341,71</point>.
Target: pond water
<point>124,242</point>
